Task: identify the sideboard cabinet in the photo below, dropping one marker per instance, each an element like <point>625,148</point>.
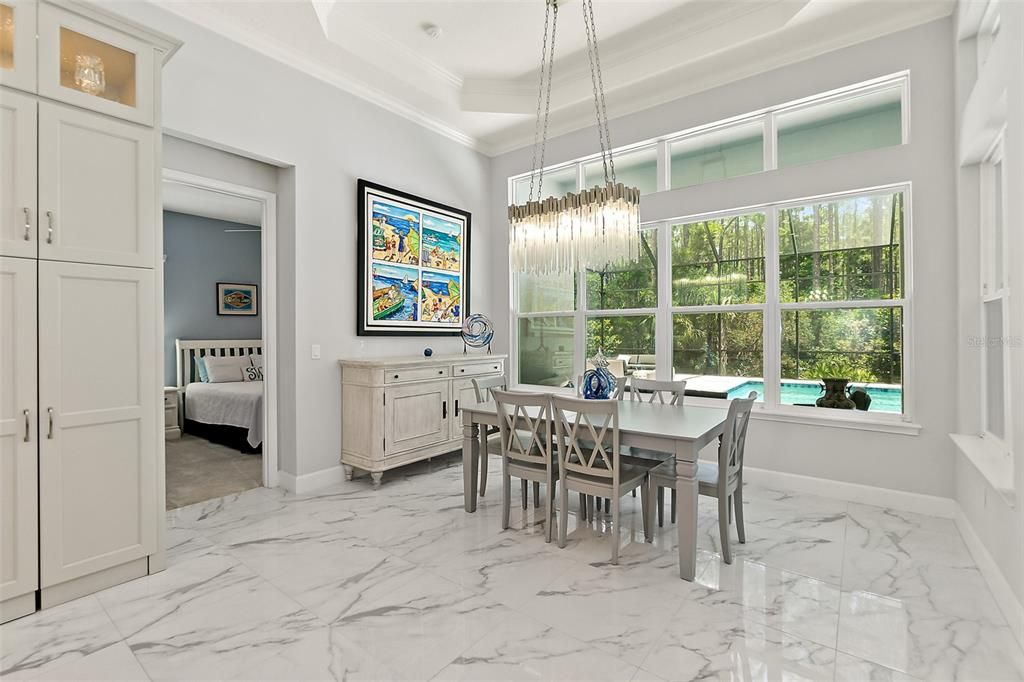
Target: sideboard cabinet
<point>395,411</point>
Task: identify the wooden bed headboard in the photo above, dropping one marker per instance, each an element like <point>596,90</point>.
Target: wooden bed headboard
<point>188,349</point>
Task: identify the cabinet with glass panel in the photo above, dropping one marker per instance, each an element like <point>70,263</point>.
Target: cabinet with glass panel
<point>18,44</point>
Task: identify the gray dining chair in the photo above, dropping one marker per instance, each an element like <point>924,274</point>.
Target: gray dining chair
<point>483,388</point>
<point>621,384</point>
<point>589,461</point>
<point>524,424</point>
<point>661,393</point>
<point>722,479</point>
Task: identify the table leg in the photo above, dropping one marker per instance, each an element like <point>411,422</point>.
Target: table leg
<point>686,491</point>
<point>470,463</point>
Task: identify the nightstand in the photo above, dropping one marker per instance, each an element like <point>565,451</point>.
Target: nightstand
<point>172,429</point>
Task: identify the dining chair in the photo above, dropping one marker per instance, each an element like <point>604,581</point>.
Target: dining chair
<point>661,393</point>
<point>722,479</point>
<point>524,425</point>
<point>589,461</point>
<point>621,383</point>
<point>482,388</point>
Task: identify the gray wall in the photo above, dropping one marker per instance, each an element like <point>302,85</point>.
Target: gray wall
<point>198,254</point>
<point>241,100</point>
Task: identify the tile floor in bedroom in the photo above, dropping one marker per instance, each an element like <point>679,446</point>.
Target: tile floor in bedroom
<point>402,584</point>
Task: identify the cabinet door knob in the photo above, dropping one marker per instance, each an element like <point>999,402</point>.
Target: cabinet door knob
<point>49,227</point>
<point>396,376</point>
<point>440,371</point>
<point>28,426</point>
<point>28,223</point>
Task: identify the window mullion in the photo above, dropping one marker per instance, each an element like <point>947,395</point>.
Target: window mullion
<point>580,325</point>
<point>772,312</point>
<point>663,322</point>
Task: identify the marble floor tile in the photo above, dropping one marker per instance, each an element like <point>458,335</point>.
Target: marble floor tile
<point>911,637</point>
<point>520,648</point>
<point>349,583</point>
<point>699,646</point>
<point>43,642</point>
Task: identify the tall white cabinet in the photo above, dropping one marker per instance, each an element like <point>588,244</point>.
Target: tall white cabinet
<point>80,414</point>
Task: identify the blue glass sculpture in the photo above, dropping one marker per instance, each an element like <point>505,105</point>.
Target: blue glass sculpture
<point>598,383</point>
<point>477,332</point>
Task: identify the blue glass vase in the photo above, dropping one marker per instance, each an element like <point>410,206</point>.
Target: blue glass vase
<point>598,384</point>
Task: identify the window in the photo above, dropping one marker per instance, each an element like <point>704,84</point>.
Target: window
<point>772,298</point>
<point>555,183</point>
<point>995,295</point>
<point>634,169</point>
<point>841,298</point>
<point>723,153</point>
<point>841,126</point>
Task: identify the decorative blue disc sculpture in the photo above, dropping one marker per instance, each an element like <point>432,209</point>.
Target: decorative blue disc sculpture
<point>477,332</point>
<point>598,383</point>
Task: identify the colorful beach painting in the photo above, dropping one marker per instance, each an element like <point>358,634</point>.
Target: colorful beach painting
<point>396,233</point>
<point>395,294</point>
<point>413,268</point>
<point>441,297</point>
<point>442,243</point>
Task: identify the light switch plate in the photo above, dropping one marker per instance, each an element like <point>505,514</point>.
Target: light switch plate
<point>316,351</point>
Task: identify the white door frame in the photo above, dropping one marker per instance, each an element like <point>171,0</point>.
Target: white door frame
<point>268,301</point>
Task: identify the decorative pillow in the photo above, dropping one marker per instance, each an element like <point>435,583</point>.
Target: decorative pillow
<point>201,369</point>
<point>252,373</point>
<point>223,369</point>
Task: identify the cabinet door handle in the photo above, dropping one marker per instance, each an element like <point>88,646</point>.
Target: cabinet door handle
<point>49,431</point>
<point>49,227</point>
<point>444,409</point>
<point>28,223</point>
<point>456,408</point>
<point>28,427</point>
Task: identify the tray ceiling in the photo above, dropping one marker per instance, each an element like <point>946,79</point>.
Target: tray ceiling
<point>476,80</point>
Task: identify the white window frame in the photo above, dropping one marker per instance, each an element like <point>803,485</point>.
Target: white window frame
<point>992,291</point>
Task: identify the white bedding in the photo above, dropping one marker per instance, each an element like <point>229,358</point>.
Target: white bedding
<point>233,403</point>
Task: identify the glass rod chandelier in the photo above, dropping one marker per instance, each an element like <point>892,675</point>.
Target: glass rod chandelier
<point>589,229</point>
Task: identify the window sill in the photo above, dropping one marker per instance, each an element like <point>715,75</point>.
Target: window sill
<point>854,421</point>
<point>990,461</point>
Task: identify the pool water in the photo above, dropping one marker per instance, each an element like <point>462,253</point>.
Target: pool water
<point>793,393</point>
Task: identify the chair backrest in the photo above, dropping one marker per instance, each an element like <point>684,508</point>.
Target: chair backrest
<point>524,421</point>
<point>734,439</point>
<point>652,391</point>
<point>486,385</point>
<point>587,432</point>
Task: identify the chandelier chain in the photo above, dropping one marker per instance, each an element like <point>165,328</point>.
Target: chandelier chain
<point>603,115</point>
<point>587,19</point>
<point>540,100</point>
<point>553,4</point>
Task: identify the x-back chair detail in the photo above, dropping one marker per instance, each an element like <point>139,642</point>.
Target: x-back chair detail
<point>524,424</point>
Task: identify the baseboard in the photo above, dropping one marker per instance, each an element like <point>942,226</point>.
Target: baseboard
<point>932,505</point>
<point>310,482</point>
<point>1001,590</point>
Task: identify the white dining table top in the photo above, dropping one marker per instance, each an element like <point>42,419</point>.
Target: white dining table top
<point>686,422</point>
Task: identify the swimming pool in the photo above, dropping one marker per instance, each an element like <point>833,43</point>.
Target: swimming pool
<point>793,393</point>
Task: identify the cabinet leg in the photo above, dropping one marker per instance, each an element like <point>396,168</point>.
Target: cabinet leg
<point>376,476</point>
<point>348,472</point>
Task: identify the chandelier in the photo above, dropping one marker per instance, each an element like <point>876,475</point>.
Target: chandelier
<point>589,229</point>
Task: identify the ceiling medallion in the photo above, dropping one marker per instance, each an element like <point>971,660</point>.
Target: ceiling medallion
<point>589,229</point>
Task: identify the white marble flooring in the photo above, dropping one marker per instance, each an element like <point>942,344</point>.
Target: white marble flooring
<point>402,584</point>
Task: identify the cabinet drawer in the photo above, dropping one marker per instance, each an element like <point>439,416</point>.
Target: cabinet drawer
<point>397,376</point>
<point>170,416</point>
<point>170,400</point>
<point>478,368</point>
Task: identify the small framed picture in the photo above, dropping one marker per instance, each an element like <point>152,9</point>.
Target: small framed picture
<point>237,299</point>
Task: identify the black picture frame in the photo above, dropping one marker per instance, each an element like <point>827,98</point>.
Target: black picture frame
<point>367,192</point>
<point>255,298</point>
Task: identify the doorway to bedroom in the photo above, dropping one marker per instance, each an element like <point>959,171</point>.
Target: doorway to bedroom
<point>214,319</point>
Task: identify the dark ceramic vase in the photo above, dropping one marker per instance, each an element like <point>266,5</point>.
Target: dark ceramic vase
<point>835,395</point>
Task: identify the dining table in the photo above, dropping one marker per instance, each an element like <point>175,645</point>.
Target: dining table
<point>682,430</point>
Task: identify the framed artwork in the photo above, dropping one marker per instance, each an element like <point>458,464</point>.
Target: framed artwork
<point>413,264</point>
<point>237,299</point>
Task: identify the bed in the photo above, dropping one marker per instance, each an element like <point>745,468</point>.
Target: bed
<point>229,413</point>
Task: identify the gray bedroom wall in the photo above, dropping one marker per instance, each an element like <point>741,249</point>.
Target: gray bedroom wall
<point>198,254</point>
